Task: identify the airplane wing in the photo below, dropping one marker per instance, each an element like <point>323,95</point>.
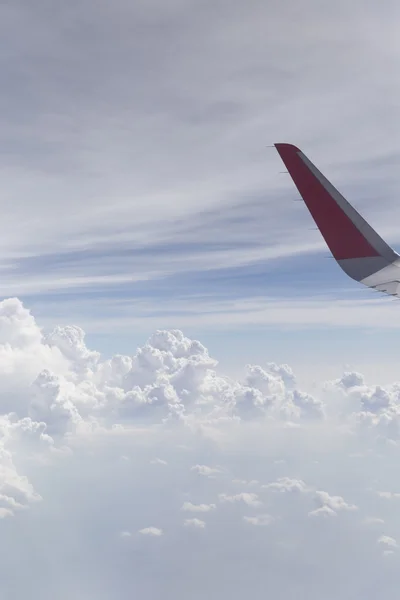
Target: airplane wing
<point>356,247</point>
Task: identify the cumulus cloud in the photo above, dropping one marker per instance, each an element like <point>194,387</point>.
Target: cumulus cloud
<point>389,544</point>
<point>196,523</point>
<point>247,498</point>
<point>151,531</point>
<point>286,484</point>
<point>259,521</point>
<point>333,503</point>
<point>93,449</point>
<point>351,379</point>
<point>205,470</point>
<point>188,506</point>
<point>252,482</point>
<point>388,495</point>
<point>386,540</point>
<point>323,511</point>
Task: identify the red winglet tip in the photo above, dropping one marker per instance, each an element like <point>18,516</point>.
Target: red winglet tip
<point>283,147</point>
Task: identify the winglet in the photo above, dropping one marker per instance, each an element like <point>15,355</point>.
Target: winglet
<point>358,249</point>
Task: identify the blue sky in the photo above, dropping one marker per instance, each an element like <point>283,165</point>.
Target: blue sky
<point>138,189</point>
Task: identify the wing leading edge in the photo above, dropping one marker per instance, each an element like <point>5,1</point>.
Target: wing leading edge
<point>357,248</point>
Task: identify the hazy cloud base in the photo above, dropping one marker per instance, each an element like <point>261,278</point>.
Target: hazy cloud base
<point>153,474</point>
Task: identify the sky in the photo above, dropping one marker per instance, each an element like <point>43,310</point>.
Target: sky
<point>182,364</point>
<point>138,188</point>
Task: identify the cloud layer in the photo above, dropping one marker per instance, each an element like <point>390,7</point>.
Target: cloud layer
<point>141,473</point>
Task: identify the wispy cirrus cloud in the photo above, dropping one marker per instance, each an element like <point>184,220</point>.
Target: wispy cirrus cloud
<point>137,153</point>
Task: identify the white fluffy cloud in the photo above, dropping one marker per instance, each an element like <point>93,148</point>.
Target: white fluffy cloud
<point>196,523</point>
<point>205,470</point>
<point>151,531</point>
<point>285,484</point>
<point>188,506</point>
<point>249,499</point>
<point>329,506</point>
<point>386,540</point>
<point>260,520</point>
<point>98,454</point>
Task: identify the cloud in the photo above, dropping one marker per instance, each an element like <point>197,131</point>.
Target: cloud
<point>126,534</point>
<point>138,196</point>
<point>151,531</point>
<point>388,543</point>
<point>374,521</point>
<point>245,482</point>
<point>332,503</point>
<point>195,523</point>
<point>188,506</point>
<point>81,438</point>
<point>205,470</point>
<point>388,495</point>
<point>285,484</point>
<point>158,461</point>
<point>260,520</point>
<point>247,498</point>
<point>323,511</point>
